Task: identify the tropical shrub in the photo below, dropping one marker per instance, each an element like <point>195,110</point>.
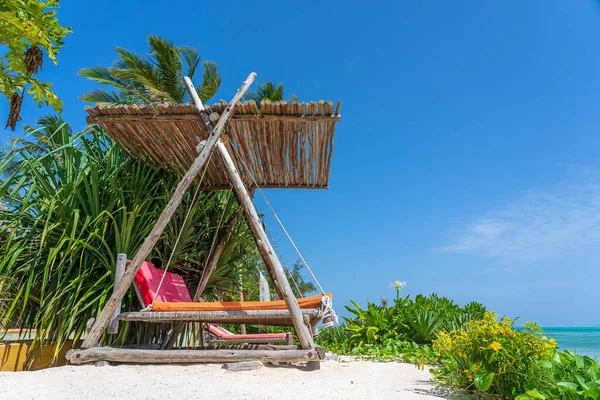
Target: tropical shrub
<point>73,202</point>
<point>491,356</point>
<point>375,324</point>
<point>419,320</point>
<point>565,376</point>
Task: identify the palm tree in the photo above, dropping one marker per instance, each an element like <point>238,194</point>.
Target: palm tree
<point>152,79</point>
<point>37,142</point>
<point>269,91</point>
<point>299,286</point>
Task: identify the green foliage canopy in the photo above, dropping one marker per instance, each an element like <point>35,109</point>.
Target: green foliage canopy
<point>25,27</point>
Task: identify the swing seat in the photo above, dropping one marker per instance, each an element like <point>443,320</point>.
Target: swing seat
<point>174,303</point>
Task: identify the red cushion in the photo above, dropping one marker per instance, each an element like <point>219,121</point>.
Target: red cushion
<point>223,333</point>
<point>250,336</point>
<point>173,288</point>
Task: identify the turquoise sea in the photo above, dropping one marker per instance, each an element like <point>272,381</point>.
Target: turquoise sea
<point>583,340</point>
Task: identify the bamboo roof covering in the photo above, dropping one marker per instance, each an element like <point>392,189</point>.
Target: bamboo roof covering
<point>280,145</point>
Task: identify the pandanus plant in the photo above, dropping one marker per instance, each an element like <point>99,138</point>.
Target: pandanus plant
<point>73,203</point>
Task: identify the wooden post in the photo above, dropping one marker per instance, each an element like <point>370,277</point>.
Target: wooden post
<point>266,250</point>
<point>264,246</point>
<point>113,326</point>
<point>242,326</point>
<point>150,241</point>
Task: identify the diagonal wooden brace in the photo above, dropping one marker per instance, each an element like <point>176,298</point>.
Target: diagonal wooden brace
<point>264,245</point>
<point>119,292</point>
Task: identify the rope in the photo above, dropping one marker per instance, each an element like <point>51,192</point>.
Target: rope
<point>291,241</point>
<point>281,225</point>
<point>326,312</point>
<point>282,259</point>
<point>189,210</point>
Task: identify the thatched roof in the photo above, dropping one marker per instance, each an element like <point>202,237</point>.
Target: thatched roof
<point>282,144</point>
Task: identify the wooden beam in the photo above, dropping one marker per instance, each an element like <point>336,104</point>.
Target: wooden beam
<point>111,305</point>
<point>128,118</point>
<point>82,356</point>
<point>113,325</point>
<point>264,246</point>
<point>266,249</point>
<point>272,186</point>
<point>258,317</point>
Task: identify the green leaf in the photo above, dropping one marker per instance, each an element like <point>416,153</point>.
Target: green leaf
<point>568,386</point>
<point>483,379</point>
<point>545,364</point>
<point>592,393</point>
<point>535,394</point>
<point>523,396</point>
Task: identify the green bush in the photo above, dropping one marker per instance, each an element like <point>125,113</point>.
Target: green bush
<point>565,376</point>
<point>491,356</point>
<point>75,200</point>
<point>419,320</point>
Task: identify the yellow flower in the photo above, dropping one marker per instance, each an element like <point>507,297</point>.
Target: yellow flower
<point>544,338</point>
<point>551,344</point>
<point>495,346</point>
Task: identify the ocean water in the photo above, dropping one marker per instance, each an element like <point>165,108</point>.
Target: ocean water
<point>583,340</point>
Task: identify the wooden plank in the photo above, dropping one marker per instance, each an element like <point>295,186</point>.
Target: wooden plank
<point>111,305</point>
<point>113,326</point>
<point>243,366</point>
<point>83,356</point>
<point>257,317</point>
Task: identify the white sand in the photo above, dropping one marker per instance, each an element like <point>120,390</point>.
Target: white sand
<point>335,380</point>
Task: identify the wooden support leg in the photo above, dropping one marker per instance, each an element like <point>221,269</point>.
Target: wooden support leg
<point>264,246</point>
<point>111,305</point>
<point>113,326</point>
<point>266,249</point>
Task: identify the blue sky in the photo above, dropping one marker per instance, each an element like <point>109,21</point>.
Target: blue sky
<point>466,162</point>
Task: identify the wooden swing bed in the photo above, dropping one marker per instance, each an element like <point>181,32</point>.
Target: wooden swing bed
<point>276,145</point>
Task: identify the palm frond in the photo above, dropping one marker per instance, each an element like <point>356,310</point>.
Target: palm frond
<point>268,91</point>
<point>211,81</point>
<point>103,97</point>
<point>168,66</point>
<point>103,76</point>
<point>192,58</point>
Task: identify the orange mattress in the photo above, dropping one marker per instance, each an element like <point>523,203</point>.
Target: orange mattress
<point>305,303</point>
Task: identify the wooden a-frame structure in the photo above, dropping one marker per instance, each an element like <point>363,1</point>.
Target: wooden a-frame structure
<point>300,142</point>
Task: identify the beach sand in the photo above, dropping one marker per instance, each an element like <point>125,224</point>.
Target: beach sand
<point>335,380</point>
